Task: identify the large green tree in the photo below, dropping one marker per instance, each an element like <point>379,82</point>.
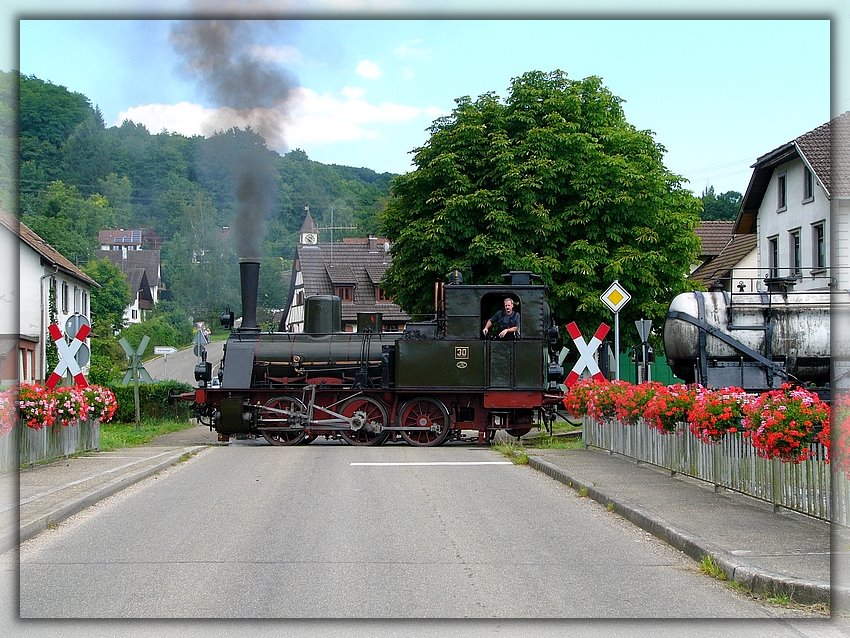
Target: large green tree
<point>67,220</point>
<point>552,180</point>
<point>110,298</point>
<point>724,206</point>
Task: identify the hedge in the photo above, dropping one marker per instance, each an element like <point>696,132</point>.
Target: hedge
<point>154,401</point>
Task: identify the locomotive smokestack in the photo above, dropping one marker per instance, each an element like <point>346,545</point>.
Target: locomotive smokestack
<point>249,272</point>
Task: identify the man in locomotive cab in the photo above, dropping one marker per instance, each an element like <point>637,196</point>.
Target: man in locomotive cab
<point>505,322</point>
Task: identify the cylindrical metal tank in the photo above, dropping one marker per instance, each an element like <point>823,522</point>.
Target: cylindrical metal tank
<point>322,314</point>
<point>793,326</point>
<point>292,354</point>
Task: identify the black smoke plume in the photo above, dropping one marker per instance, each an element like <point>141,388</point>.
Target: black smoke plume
<point>217,55</point>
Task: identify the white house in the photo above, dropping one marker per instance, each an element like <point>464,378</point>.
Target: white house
<point>25,293</point>
<point>140,266</point>
<point>788,207</point>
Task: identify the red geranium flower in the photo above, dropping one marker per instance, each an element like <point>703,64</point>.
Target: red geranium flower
<point>37,406</point>
<point>717,412</point>
<point>630,403</point>
<point>670,406</point>
<point>783,423</point>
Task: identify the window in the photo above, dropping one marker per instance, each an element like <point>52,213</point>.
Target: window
<point>781,192</point>
<point>794,250</point>
<point>808,185</point>
<point>65,297</point>
<point>85,306</point>
<point>346,293</point>
<point>299,298</point>
<point>134,314</point>
<point>381,295</point>
<point>24,370</point>
<point>819,245</point>
<point>26,364</point>
<point>77,300</point>
<point>773,256</point>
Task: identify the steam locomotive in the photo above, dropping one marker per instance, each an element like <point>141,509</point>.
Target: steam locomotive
<point>429,384</point>
<point>755,340</point>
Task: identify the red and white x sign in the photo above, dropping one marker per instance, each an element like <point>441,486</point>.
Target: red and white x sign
<point>68,356</point>
<point>586,350</point>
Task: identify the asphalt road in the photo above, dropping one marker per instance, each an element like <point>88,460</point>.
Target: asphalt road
<point>180,366</point>
<point>330,531</point>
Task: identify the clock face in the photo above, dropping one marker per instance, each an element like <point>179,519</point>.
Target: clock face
<point>309,238</point>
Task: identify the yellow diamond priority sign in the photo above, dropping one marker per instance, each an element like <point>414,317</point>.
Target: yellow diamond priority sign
<point>615,297</point>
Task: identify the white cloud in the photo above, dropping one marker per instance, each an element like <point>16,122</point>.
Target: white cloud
<point>286,53</point>
<point>184,118</point>
<point>413,49</point>
<point>310,118</point>
<point>353,92</point>
<point>369,70</point>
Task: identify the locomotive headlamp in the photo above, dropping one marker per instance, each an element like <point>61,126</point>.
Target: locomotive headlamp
<point>203,372</point>
<point>227,319</point>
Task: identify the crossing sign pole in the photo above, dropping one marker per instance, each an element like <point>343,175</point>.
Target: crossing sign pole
<point>136,370</point>
<point>615,298</point>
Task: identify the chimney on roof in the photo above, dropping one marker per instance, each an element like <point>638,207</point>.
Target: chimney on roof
<point>373,244</point>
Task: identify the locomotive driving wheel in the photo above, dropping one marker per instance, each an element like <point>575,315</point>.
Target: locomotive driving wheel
<point>271,418</point>
<point>431,419</point>
<point>368,423</point>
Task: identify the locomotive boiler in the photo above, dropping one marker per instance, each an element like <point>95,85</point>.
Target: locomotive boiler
<point>755,341</point>
<point>436,381</point>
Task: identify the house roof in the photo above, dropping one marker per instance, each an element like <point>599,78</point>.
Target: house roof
<point>147,259</point>
<point>714,235</point>
<point>815,148</point>
<point>139,286</point>
<point>358,262</point>
<point>48,253</point>
<point>120,237</point>
<point>738,247</point>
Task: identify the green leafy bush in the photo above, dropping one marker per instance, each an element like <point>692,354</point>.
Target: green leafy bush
<point>154,401</point>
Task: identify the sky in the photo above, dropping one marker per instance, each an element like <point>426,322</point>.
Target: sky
<point>716,93</point>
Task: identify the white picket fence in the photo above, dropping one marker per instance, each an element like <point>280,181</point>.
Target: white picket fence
<point>24,446</point>
<point>731,464</point>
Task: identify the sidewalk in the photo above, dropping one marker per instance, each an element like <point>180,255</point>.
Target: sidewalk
<point>52,492</point>
<point>768,552</point>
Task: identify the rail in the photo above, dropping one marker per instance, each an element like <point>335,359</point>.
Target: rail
<point>731,464</point>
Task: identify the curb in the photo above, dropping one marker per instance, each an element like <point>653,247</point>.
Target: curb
<point>756,580</point>
<point>30,528</point>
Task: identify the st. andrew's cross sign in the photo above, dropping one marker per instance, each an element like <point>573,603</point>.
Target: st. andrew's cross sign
<point>68,353</point>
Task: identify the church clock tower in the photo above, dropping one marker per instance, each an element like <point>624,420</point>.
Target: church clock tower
<point>309,232</point>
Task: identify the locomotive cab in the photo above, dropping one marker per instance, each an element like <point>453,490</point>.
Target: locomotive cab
<point>464,359</point>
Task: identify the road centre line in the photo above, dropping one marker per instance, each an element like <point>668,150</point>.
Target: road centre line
<point>440,463</point>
